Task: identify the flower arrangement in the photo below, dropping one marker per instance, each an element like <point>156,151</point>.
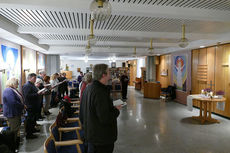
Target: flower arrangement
<point>207,90</point>
<point>220,92</point>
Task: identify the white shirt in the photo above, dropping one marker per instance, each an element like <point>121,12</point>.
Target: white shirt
<point>53,83</point>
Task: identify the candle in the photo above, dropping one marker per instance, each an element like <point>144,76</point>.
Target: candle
<point>211,93</point>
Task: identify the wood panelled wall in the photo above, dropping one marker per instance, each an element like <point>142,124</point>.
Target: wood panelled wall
<point>165,63</point>
<point>212,64</point>
<point>132,72</point>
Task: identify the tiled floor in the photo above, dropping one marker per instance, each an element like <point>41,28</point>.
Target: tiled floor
<point>152,126</point>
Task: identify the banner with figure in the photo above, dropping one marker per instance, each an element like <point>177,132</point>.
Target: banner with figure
<point>180,72</point>
<point>10,62</point>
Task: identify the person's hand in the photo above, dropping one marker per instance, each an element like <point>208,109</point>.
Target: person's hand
<point>118,107</point>
<point>25,107</point>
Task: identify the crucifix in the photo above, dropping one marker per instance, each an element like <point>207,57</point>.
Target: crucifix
<point>211,85</point>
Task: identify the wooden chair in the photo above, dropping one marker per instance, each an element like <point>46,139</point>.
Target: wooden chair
<point>75,102</point>
<point>50,145</point>
<point>65,129</point>
<point>56,136</point>
<point>77,112</point>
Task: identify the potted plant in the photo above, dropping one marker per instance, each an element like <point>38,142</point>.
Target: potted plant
<point>220,93</point>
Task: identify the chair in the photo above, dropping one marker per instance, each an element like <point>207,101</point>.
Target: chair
<point>70,84</point>
<point>49,146</point>
<point>169,92</point>
<point>52,146</point>
<point>68,140</point>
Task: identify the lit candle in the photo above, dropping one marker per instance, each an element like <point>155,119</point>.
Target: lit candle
<point>211,93</point>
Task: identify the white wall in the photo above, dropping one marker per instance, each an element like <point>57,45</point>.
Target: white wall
<point>74,64</point>
<point>53,64</point>
<point>140,63</point>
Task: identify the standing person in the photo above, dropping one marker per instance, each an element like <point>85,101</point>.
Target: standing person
<point>97,113</point>
<point>47,96</point>
<point>65,85</point>
<point>40,85</point>
<point>41,76</point>
<point>79,78</point>
<point>54,82</point>
<point>86,80</point>
<point>13,105</point>
<point>124,84</point>
<point>61,86</point>
<point>32,101</point>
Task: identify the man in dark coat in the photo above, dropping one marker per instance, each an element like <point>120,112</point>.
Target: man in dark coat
<point>124,83</point>
<point>32,101</point>
<point>97,113</point>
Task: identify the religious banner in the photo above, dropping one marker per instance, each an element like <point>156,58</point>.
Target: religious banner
<point>180,72</point>
<point>10,62</point>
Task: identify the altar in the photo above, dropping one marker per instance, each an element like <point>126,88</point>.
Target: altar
<point>206,106</point>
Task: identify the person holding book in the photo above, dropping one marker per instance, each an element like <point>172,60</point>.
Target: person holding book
<point>97,113</point>
<point>47,96</point>
<point>54,85</point>
<point>32,101</point>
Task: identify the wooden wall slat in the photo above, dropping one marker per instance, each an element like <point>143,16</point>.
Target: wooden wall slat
<point>164,64</point>
<point>217,59</point>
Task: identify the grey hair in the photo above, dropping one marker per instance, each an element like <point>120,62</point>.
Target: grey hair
<point>31,75</point>
<point>42,72</point>
<point>99,70</point>
<point>88,77</point>
<point>12,82</point>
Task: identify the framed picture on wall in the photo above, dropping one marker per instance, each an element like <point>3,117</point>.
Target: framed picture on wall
<point>164,72</point>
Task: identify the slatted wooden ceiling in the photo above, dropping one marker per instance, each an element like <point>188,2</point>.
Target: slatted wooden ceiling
<point>100,38</point>
<point>45,18</point>
<point>58,19</point>
<point>202,4</point>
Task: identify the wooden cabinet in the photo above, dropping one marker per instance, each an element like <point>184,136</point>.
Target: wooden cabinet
<point>152,90</point>
<point>138,84</point>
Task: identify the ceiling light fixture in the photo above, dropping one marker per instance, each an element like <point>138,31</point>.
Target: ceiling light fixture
<point>86,59</point>
<point>183,41</point>
<point>88,49</point>
<point>135,52</point>
<point>101,9</point>
<point>202,46</point>
<point>151,49</point>
<point>91,37</point>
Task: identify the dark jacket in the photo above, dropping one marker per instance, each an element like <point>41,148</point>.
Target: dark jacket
<point>98,115</point>
<point>12,106</point>
<point>124,80</point>
<point>32,99</point>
